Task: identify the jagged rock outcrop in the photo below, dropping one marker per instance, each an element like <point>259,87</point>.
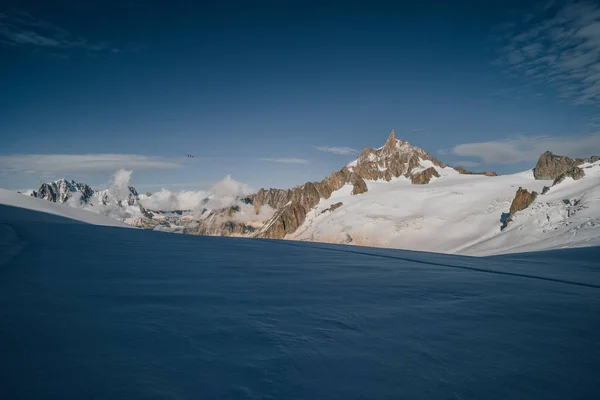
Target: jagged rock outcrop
<point>576,173</point>
<point>464,171</point>
<point>61,191</point>
<point>396,158</point>
<point>286,220</point>
<point>333,207</point>
<point>359,186</point>
<point>521,201</point>
<point>423,177</point>
<point>333,182</point>
<point>551,166</point>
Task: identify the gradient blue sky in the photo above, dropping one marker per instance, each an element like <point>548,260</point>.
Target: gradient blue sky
<point>271,92</point>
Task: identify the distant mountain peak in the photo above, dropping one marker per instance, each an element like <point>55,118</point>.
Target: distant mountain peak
<point>395,158</point>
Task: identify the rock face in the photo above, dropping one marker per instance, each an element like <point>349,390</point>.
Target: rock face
<point>576,173</point>
<point>521,201</point>
<point>286,220</point>
<point>424,177</point>
<point>551,166</point>
<point>359,186</point>
<point>61,191</point>
<point>220,223</point>
<point>464,171</point>
<point>396,158</point>
<point>333,207</point>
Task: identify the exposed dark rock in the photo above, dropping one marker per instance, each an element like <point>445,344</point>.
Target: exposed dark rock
<point>359,186</point>
<point>46,192</point>
<point>333,207</point>
<point>423,177</point>
<point>60,191</point>
<point>521,201</point>
<point>551,166</point>
<point>285,221</point>
<point>464,171</point>
<point>545,189</point>
<point>576,173</point>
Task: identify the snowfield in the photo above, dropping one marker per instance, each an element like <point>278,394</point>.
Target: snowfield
<point>70,214</point>
<point>106,313</point>
<point>460,214</point>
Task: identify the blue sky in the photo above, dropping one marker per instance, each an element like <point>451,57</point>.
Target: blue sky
<point>279,93</point>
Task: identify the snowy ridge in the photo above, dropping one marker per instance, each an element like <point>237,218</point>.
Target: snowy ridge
<point>15,199</point>
<point>395,196</point>
<point>568,215</point>
<point>460,214</point>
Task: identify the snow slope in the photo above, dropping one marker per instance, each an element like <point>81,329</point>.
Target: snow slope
<point>14,199</point>
<point>458,214</point>
<point>567,216</point>
<point>105,313</point>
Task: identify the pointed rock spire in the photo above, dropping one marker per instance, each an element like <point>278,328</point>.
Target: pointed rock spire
<point>392,137</point>
<point>390,144</point>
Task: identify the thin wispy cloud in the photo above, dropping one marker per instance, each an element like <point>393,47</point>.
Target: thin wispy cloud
<point>342,151</point>
<point>50,163</point>
<point>467,164</point>
<point>286,160</point>
<point>529,148</point>
<point>594,122</point>
<point>559,46</point>
<point>19,28</point>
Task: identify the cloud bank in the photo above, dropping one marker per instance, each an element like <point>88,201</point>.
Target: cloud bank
<point>82,162</point>
<point>527,148</point>
<point>343,151</point>
<point>467,164</point>
<point>223,194</point>
<point>165,200</point>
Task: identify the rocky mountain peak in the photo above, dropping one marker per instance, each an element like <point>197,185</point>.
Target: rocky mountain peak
<point>550,166</point>
<point>61,190</point>
<point>395,158</point>
<point>391,141</point>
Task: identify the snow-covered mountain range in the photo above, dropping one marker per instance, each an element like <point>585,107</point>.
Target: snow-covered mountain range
<point>394,196</point>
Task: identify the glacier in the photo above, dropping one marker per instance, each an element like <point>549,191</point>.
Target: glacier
<point>106,312</point>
